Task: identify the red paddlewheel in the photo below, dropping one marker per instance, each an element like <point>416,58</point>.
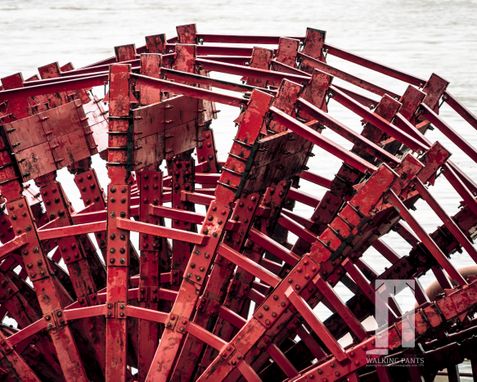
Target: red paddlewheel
<point>236,272</point>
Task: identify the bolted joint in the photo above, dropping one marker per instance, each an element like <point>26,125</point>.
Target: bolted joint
<point>55,320</point>
<point>177,323</point>
<point>116,310</point>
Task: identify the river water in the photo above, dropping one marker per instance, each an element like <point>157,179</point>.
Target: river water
<point>417,36</point>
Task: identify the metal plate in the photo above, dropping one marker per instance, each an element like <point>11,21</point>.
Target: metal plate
<point>35,161</point>
<point>157,127</point>
<point>51,140</point>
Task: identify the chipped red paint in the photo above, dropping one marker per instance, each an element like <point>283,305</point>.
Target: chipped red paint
<point>229,293</point>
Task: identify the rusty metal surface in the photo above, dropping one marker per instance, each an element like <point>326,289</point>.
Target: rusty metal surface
<point>187,267</point>
<point>50,140</point>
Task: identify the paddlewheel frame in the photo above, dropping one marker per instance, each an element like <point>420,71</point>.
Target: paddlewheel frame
<point>139,284</point>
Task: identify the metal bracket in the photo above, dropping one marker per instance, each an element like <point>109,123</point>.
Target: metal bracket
<point>116,310</point>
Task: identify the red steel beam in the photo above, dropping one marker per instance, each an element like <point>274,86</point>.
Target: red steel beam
<point>377,121</point>
<point>316,325</point>
<point>68,231</point>
<point>447,220</point>
<point>321,141</point>
<point>187,90</point>
<point>238,39</point>
<point>27,332</point>
<point>354,80</point>
<point>347,133</point>
<point>426,239</point>
<point>316,178</point>
<point>55,87</point>
<point>248,265</point>
<point>153,260</point>
<point>391,72</point>
<point>155,230</point>
<point>429,114</point>
<point>85,312</point>
<point>146,314</point>
<point>16,243</point>
<point>263,74</point>
<point>465,113</point>
<point>118,248</point>
<point>17,362</point>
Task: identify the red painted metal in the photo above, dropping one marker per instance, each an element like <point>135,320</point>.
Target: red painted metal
<point>142,284</point>
<point>118,206</point>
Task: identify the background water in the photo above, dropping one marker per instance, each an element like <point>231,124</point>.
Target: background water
<point>417,36</point>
